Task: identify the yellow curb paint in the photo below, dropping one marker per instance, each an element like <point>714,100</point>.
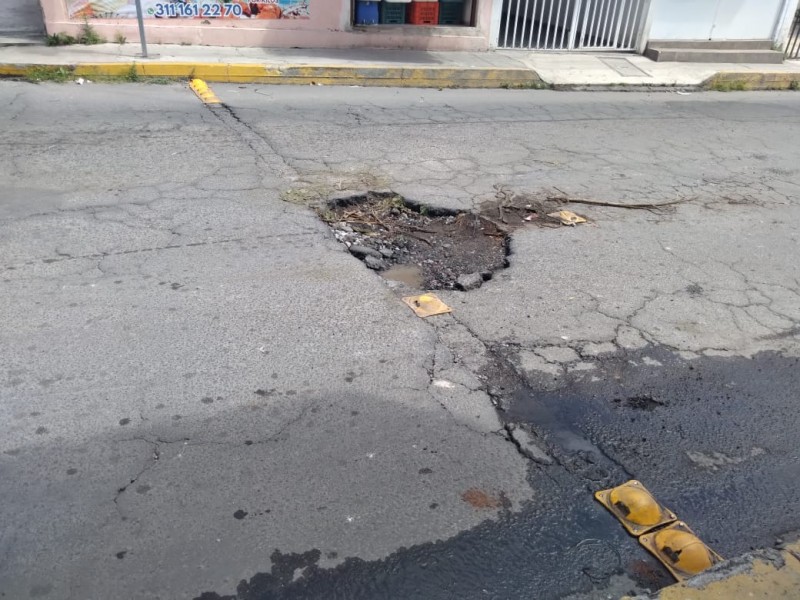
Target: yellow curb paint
<point>14,70</point>
<point>775,80</point>
<point>171,70</point>
<point>106,69</point>
<point>758,579</point>
<point>364,75</point>
<point>204,92</point>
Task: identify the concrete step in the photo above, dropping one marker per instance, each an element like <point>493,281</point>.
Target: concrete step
<point>21,40</point>
<point>659,54</point>
<point>712,44</point>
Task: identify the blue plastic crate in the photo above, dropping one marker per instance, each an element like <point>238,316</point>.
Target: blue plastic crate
<point>367,13</point>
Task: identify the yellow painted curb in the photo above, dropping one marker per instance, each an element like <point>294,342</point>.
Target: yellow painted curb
<point>13,70</point>
<point>369,75</point>
<point>733,81</point>
<point>762,576</point>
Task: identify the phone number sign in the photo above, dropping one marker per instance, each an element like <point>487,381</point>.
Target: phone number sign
<point>190,9</point>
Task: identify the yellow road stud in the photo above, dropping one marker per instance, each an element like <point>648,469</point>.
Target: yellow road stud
<point>680,550</point>
<point>635,507</point>
<point>204,92</point>
<point>426,305</point>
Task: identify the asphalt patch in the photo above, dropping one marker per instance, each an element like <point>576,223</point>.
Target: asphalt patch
<point>714,438</point>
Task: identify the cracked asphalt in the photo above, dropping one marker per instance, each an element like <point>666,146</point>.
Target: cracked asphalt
<point>204,395</point>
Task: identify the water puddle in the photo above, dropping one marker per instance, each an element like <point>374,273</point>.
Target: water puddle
<point>410,275</point>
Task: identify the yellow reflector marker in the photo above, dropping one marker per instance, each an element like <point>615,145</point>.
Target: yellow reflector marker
<point>567,217</point>
<point>680,550</point>
<point>427,305</point>
<point>635,507</point>
<point>204,92</point>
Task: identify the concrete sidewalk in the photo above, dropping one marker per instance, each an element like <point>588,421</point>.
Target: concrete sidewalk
<point>394,67</point>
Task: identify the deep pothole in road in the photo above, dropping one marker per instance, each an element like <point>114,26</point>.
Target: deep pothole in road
<point>431,248</point>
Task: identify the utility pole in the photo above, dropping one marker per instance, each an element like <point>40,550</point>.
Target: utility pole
<point>140,18</point>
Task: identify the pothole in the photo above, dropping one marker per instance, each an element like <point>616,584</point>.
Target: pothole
<point>420,246</point>
<point>431,248</point>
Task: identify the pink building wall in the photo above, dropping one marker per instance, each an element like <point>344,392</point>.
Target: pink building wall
<point>329,26</point>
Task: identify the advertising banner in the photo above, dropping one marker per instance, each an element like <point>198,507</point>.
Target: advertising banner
<point>190,9</point>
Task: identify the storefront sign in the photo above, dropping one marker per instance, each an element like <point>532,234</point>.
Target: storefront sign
<point>190,9</point>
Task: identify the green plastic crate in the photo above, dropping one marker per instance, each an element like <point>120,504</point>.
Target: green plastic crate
<point>451,13</point>
<point>393,13</point>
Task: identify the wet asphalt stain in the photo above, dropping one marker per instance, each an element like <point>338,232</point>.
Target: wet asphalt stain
<point>640,402</point>
<point>559,548</point>
<point>628,418</point>
<point>714,438</point>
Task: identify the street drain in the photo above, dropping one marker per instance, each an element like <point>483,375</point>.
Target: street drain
<point>422,247</point>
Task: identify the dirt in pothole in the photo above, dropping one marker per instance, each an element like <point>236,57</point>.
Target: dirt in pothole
<point>429,248</point>
<point>423,248</point>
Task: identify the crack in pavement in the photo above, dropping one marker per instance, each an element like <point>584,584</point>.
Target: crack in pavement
<point>257,142</point>
<point>151,462</point>
<point>103,255</point>
<point>568,448</point>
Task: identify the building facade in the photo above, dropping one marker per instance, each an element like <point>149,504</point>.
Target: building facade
<point>555,25</point>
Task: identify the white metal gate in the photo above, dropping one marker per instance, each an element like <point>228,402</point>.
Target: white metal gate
<point>571,24</point>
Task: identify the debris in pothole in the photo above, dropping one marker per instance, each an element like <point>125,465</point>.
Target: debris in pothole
<point>468,282</point>
<point>421,247</point>
<point>374,263</point>
<point>427,305</point>
<point>437,249</point>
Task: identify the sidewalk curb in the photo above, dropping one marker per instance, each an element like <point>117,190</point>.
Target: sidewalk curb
<point>420,77</point>
<point>769,573</point>
<point>385,76</point>
<point>626,87</point>
<point>749,81</point>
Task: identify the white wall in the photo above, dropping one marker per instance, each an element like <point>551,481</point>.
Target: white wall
<point>714,19</point>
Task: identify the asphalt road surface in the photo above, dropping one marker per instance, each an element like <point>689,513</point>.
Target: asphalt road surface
<point>204,395</point>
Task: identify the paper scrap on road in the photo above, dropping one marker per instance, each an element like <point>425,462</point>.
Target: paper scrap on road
<point>427,305</point>
<point>443,383</point>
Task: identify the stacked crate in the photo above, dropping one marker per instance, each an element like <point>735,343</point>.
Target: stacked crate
<point>367,13</point>
<point>413,12</point>
<point>451,12</point>
<point>423,12</point>
<point>393,12</point>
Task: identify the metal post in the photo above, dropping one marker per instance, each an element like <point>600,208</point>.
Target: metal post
<point>140,18</point>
